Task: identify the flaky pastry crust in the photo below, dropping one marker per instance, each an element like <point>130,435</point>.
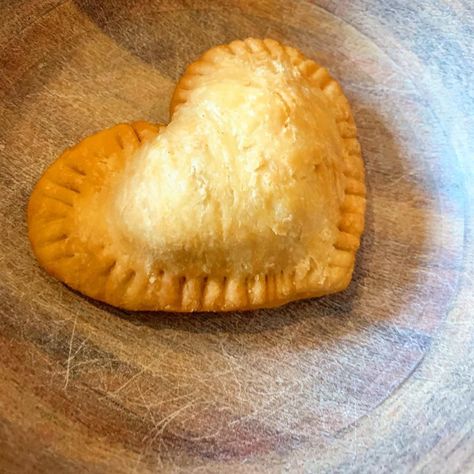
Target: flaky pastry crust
<point>64,202</point>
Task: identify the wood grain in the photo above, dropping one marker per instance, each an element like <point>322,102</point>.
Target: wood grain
<point>376,379</point>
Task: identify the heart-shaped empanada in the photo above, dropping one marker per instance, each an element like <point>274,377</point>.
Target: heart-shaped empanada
<point>252,196</point>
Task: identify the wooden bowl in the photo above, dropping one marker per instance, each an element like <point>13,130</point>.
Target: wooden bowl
<point>377,378</point>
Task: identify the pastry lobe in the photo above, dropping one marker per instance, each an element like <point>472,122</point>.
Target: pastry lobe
<point>253,195</point>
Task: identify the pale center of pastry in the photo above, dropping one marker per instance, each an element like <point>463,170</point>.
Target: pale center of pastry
<point>246,179</point>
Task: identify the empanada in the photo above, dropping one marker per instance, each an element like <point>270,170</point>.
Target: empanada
<point>252,196</point>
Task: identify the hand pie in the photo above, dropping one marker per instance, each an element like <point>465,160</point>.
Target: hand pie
<point>252,196</point>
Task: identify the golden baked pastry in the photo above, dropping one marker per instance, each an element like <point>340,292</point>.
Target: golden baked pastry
<point>252,196</point>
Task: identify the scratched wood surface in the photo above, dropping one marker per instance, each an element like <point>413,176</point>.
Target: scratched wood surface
<point>376,379</point>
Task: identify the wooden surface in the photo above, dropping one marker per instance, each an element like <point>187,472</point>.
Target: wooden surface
<point>376,379</point>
